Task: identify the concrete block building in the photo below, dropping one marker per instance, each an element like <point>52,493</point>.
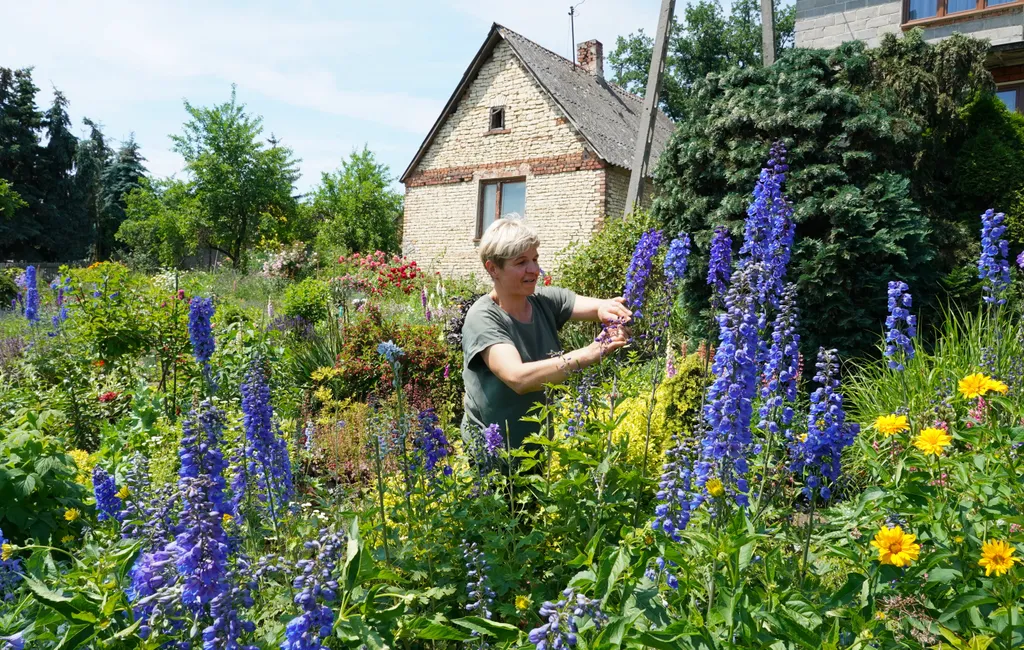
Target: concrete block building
<point>529,133</point>
<point>827,23</point>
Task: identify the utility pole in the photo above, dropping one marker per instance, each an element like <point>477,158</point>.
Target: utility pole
<point>767,32</point>
<point>645,129</point>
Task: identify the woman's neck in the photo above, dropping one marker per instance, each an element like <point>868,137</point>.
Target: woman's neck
<point>516,306</point>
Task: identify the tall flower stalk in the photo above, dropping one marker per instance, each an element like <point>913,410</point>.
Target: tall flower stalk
<point>639,272</point>
<point>200,333</point>
<point>393,355</point>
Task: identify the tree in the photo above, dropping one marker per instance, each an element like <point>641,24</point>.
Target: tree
<point>65,233</point>
<point>864,158</point>
<point>243,187</point>
<point>356,207</point>
<point>706,42</point>
<point>10,201</point>
<point>124,174</point>
<point>91,161</point>
<point>161,222</point>
<point>20,123</point>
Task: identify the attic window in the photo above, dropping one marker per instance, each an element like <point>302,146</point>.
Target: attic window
<point>497,119</point>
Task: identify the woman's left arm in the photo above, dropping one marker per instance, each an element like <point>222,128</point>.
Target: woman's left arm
<point>597,309</point>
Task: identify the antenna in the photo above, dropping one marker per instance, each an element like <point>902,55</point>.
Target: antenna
<point>572,29</point>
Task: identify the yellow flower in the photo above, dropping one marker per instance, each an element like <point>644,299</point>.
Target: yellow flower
<point>880,616</point>
<point>975,385</point>
<point>890,425</point>
<point>226,519</point>
<point>72,514</point>
<point>997,557</point>
<point>959,539</point>
<point>67,539</point>
<point>715,488</point>
<point>895,547</point>
<point>6,551</point>
<point>932,441</point>
<point>122,494</point>
<point>997,386</point>
<point>523,603</point>
<point>802,437</point>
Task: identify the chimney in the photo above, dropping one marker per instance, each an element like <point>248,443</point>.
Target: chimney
<point>591,57</point>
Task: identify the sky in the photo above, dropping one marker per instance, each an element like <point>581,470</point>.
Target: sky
<point>327,77</point>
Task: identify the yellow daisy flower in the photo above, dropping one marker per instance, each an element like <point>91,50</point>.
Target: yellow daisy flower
<point>122,494</point>
<point>523,603</point>
<point>890,425</point>
<point>997,557</point>
<point>880,616</point>
<point>715,487</point>
<point>67,539</point>
<point>895,547</point>
<point>998,386</point>
<point>6,551</point>
<point>975,385</point>
<point>226,519</point>
<point>932,441</point>
<point>802,437</point>
<point>71,514</point>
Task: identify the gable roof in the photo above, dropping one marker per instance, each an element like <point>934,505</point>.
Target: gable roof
<point>603,113</point>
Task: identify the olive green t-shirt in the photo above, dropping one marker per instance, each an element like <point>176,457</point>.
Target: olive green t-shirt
<point>488,399</point>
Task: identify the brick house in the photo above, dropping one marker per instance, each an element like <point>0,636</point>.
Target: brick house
<point>526,132</point>
<point>827,23</point>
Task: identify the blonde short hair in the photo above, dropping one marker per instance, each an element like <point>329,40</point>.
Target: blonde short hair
<point>507,239</point>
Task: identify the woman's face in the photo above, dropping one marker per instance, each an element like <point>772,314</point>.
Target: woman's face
<point>519,275</point>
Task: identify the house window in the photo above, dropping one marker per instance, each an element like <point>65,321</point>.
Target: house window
<point>1012,96</point>
<point>920,9</point>
<point>500,199</point>
<point>496,121</point>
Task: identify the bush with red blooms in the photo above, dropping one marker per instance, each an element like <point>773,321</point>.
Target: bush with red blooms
<point>364,371</point>
<point>108,396</point>
<point>385,272</point>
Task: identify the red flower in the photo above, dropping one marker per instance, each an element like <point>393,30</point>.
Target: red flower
<point>99,363</point>
<point>109,396</point>
<point>181,294</point>
<point>547,280</point>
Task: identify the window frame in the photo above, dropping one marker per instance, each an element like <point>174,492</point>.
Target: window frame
<point>500,182</point>
<point>942,14</point>
<point>496,110</point>
<point>1019,87</point>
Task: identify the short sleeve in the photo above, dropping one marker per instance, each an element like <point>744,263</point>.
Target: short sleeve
<point>481,330</point>
<point>562,302</point>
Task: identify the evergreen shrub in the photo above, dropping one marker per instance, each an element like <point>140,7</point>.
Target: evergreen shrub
<point>308,299</point>
<point>870,135</point>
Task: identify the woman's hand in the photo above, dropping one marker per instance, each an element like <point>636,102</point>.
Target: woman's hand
<point>614,309</point>
<point>611,339</point>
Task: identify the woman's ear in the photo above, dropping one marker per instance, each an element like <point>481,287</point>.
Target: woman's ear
<point>491,267</point>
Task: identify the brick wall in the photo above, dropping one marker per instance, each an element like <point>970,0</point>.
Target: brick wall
<point>827,23</point>
<point>565,183</point>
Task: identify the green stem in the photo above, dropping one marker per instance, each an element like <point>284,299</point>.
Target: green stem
<point>807,540</point>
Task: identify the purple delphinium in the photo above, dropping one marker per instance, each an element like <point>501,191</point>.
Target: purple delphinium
<point>133,509</point>
<point>296,325</point>
<point>15,641</point>
<point>9,574</point>
<point>58,286</point>
<point>562,620</point>
<point>155,602</point>
<point>729,407</point>
<point>994,265</point>
<point>655,574</point>
<point>581,405</point>
<point>108,506</point>
<point>31,295</point>
<point>431,444</point>
<point>200,310</point>
<point>901,326</point>
<point>672,514</point>
<point>263,468</point>
<point>676,258</point>
<point>481,596</point>
<point>493,442</point>
<point>720,264</point>
<point>201,546</point>
<point>639,272</point>
<point>316,584</point>
<point>390,351</point>
<point>778,377</point>
<point>1020,260</point>
<point>818,456</point>
<point>768,231</point>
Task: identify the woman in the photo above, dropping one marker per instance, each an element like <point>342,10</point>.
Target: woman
<point>510,335</point>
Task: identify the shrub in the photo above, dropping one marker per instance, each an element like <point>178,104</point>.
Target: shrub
<point>308,299</point>
<point>37,479</point>
<point>8,290</point>
<point>596,267</point>
<point>870,134</point>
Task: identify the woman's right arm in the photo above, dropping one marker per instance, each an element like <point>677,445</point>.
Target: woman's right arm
<point>505,362</point>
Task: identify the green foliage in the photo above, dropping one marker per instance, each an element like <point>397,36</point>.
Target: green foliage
<point>355,207</point>
<point>10,201</point>
<point>309,299</point>
<point>36,478</point>
<point>863,131</point>
<point>161,218</point>
<point>243,187</point>
<point>705,42</point>
<point>595,267</point>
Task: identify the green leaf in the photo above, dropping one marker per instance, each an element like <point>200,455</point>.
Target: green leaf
<point>76,637</point>
<point>503,632</point>
<point>965,602</point>
<point>943,575</point>
<point>441,632</point>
